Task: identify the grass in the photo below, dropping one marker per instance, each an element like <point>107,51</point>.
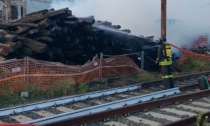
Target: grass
<point>82,88</point>
<point>191,64</point>
<point>146,76</point>
<point>68,86</point>
<point>9,98</point>
<point>40,94</point>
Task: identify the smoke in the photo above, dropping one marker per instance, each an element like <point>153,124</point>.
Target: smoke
<point>142,17</point>
<point>130,14</point>
<point>193,20</point>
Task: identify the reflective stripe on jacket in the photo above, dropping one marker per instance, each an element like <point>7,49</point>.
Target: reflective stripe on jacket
<point>165,62</point>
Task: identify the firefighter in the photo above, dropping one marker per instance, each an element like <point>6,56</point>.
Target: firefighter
<point>164,59</point>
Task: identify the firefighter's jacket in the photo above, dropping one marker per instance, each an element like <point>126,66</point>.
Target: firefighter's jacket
<point>164,54</point>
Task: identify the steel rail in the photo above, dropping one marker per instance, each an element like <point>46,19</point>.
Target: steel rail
<point>132,108</point>
<point>206,73</point>
<point>104,107</point>
<point>188,121</point>
<point>195,75</point>
<point>68,99</point>
<point>64,100</point>
<point>188,87</point>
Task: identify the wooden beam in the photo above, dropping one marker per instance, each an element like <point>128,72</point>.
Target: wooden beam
<point>37,17</point>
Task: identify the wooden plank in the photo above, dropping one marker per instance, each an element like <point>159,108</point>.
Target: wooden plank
<point>2,58</point>
<point>4,52</point>
<point>26,51</point>
<point>10,37</point>
<point>14,45</point>
<point>35,17</point>
<point>87,20</point>
<point>14,25</point>
<point>44,32</point>
<point>71,23</point>
<point>45,39</point>
<point>45,23</point>
<point>7,47</point>
<point>33,31</point>
<point>37,12</point>
<point>22,30</point>
<point>36,46</point>
<point>71,18</point>
<point>55,28</point>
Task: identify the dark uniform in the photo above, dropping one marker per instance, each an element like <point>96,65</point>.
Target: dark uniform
<point>165,62</point>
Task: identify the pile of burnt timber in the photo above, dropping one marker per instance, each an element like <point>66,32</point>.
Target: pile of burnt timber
<point>57,35</point>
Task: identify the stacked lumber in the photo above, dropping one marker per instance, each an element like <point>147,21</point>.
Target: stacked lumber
<point>57,35</point>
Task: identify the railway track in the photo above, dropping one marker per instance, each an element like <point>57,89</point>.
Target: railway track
<point>172,111</point>
<point>44,113</point>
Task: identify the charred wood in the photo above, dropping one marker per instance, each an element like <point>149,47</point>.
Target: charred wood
<point>8,47</point>
<point>2,58</point>
<point>34,45</point>
<point>49,14</point>
<point>22,30</point>
<point>45,23</point>
<point>4,51</point>
<point>25,51</point>
<point>45,39</point>
<point>57,35</point>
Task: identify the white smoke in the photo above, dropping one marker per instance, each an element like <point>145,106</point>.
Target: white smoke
<point>140,16</point>
<point>130,14</point>
<point>194,17</point>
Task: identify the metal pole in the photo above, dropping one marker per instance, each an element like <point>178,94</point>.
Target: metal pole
<point>163,17</point>
<point>27,63</point>
<point>142,60</point>
<point>100,65</point>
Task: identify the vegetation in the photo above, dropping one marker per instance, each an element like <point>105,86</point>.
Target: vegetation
<point>190,63</point>
<point>8,97</point>
<point>82,88</point>
<point>68,86</point>
<point>65,87</point>
<point>146,76</point>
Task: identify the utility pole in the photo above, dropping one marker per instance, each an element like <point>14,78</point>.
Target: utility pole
<point>164,57</point>
<point>163,17</point>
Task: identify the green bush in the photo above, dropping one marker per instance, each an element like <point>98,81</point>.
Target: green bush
<point>66,87</point>
<point>9,99</point>
<point>196,64</point>
<point>82,88</point>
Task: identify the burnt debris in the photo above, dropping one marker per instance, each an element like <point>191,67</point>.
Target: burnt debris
<point>57,35</point>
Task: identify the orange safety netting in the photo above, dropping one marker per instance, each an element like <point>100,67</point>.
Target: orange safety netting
<point>190,52</point>
<point>18,75</point>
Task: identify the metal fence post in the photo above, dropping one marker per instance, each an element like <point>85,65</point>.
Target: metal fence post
<point>27,71</point>
<point>100,65</point>
<point>142,60</point>
<point>24,93</point>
